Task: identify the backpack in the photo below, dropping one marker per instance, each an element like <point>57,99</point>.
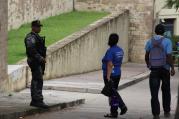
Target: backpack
<point>157,56</point>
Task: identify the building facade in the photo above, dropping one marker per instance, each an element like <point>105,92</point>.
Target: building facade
<point>170,17</point>
<point>140,23</point>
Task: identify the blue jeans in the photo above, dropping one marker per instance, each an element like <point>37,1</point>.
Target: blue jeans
<point>156,76</point>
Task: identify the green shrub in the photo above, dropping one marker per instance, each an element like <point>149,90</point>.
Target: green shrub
<point>175,39</point>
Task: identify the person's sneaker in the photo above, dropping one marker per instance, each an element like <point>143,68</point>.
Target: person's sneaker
<point>156,117</point>
<point>111,116</point>
<point>123,110</point>
<point>167,114</point>
<point>39,104</point>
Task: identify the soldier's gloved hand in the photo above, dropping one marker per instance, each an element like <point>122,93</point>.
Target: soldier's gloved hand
<point>172,72</point>
<point>43,60</point>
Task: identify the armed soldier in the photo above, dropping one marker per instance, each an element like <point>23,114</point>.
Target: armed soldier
<point>36,54</point>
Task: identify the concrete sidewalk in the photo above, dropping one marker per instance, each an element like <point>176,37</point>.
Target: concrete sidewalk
<point>93,82</point>
<point>16,105</point>
<point>136,97</point>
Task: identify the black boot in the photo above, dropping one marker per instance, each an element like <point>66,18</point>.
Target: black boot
<point>39,104</point>
<point>123,110</point>
<point>111,115</point>
<point>156,117</point>
<point>167,114</point>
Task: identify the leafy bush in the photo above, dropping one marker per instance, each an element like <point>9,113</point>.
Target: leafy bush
<point>175,39</point>
<point>172,3</point>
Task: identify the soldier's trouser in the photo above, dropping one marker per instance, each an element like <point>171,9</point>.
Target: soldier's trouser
<point>156,76</point>
<point>36,83</point>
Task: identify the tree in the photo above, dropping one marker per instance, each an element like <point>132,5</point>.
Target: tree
<point>173,4</point>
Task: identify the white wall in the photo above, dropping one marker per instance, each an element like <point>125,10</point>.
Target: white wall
<point>24,11</point>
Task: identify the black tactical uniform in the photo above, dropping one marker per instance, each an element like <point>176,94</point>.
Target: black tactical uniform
<point>36,53</point>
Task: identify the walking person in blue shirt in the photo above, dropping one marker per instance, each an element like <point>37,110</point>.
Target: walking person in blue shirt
<point>159,60</point>
<point>111,65</point>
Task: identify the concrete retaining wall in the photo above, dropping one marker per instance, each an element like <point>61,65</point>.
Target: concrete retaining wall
<point>24,11</point>
<point>17,77</point>
<point>82,51</point>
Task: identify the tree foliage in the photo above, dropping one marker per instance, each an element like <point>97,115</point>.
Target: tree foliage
<point>173,3</point>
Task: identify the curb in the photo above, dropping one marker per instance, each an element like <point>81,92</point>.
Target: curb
<point>131,81</point>
<point>135,80</point>
<point>32,111</point>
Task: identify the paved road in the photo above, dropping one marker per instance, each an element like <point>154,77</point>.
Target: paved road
<point>137,98</point>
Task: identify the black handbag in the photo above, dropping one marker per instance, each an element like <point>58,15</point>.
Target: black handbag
<point>107,90</point>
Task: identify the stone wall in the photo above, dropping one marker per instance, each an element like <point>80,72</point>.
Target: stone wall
<point>3,42</point>
<point>141,20</point>
<point>17,77</point>
<point>23,11</point>
<point>83,51</point>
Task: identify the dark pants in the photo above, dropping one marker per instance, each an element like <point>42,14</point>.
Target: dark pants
<point>115,83</point>
<point>37,82</point>
<point>156,76</point>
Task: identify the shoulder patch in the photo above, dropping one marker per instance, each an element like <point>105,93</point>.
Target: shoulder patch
<point>31,39</point>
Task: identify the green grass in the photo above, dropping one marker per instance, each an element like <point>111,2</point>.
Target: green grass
<point>54,28</point>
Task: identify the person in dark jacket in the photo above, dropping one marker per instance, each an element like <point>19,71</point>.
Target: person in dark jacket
<point>36,59</point>
<point>111,65</point>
